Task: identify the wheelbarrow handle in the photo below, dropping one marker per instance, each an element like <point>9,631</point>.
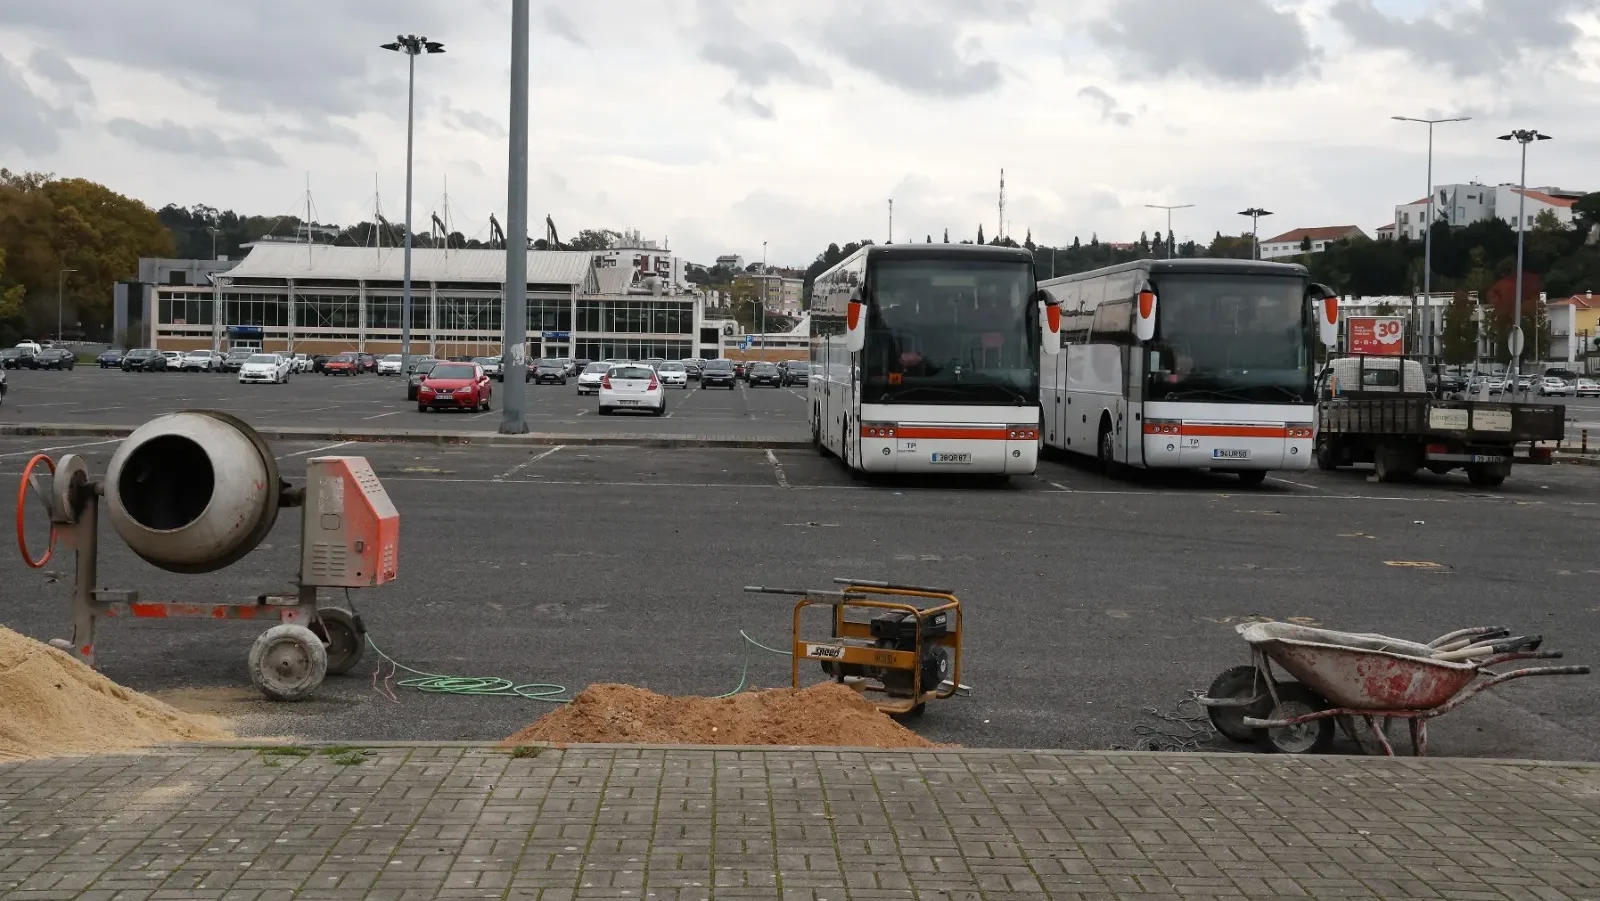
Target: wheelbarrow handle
<point>1517,655</point>
<point>1473,632</point>
<point>803,592</point>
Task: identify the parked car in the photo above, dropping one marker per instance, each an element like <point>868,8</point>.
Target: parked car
<point>110,358</point>
<point>1586,387</point>
<point>550,370</point>
<point>455,386</point>
<point>491,367</point>
<point>366,361</point>
<point>589,378</point>
<point>460,358</point>
<point>579,364</point>
<point>234,359</point>
<point>55,358</point>
<point>144,359</point>
<point>273,368</point>
<point>1551,386</point>
<point>342,364</point>
<point>419,371</point>
<point>632,386</point>
<point>174,359</point>
<point>763,374</point>
<point>200,361</point>
<point>318,361</point>
<point>418,361</point>
<point>2,386</point>
<point>719,372</point>
<point>389,364</point>
<point>674,375</point>
<point>693,365</point>
<point>30,346</point>
<point>301,362</point>
<point>16,358</point>
<point>798,372</point>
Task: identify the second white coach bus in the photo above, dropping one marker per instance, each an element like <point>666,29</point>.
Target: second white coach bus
<point>925,358</point>
<point>1195,364</point>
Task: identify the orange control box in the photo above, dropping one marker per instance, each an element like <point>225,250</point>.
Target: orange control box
<point>350,531</point>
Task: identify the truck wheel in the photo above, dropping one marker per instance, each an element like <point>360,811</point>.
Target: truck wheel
<point>1393,463</point>
<point>1485,475</point>
<point>1327,456</point>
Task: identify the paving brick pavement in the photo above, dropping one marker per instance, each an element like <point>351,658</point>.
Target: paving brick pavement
<point>394,823</point>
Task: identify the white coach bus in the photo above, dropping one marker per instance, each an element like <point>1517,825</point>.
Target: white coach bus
<point>1191,364</point>
<point>925,358</point>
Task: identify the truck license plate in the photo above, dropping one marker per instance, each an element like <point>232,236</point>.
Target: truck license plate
<point>1228,453</point>
<point>952,458</point>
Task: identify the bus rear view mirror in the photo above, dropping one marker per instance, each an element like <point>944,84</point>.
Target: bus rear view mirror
<point>1325,304</point>
<point>1144,315</point>
<point>855,330</point>
<point>1049,322</point>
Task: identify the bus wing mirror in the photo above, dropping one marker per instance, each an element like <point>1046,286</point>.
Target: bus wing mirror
<point>1049,322</point>
<point>855,329</point>
<point>1326,303</point>
<point>1144,315</point>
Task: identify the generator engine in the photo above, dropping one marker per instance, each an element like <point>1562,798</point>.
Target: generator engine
<point>897,631</point>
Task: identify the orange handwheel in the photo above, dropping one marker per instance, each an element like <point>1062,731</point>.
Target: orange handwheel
<point>22,507</point>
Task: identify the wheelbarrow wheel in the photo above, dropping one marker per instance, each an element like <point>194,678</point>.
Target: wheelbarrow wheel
<point>1240,682</point>
<point>1314,737</point>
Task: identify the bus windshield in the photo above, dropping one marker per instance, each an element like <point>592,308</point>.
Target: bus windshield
<point>1231,338</point>
<point>950,331</point>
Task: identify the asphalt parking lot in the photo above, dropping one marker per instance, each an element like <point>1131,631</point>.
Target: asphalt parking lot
<point>1088,598</point>
<point>89,395</point>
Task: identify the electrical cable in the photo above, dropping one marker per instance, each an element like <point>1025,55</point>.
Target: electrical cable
<point>548,692</point>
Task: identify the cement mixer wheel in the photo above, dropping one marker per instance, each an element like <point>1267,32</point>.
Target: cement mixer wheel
<point>342,638</point>
<point>288,662</point>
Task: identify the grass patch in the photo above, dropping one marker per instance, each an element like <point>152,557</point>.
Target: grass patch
<point>271,761</point>
<point>283,751</point>
<point>522,751</point>
<point>348,758</point>
<point>340,750</point>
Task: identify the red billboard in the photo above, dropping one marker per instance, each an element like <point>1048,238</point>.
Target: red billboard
<point>1382,336</point>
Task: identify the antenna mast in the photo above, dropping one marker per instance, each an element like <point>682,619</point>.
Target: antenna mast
<point>308,217</point>
<point>891,220</point>
<point>1002,231</point>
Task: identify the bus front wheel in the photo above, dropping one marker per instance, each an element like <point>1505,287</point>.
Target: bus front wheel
<point>1105,450</point>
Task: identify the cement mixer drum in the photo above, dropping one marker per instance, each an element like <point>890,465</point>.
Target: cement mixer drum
<point>193,492</point>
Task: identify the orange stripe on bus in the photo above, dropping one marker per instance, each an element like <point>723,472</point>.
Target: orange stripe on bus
<point>1235,431</point>
<point>975,434</point>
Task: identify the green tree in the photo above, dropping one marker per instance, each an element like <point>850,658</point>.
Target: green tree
<point>595,239</point>
<point>1459,336</point>
<point>12,323</point>
<point>1383,309</point>
<point>980,232</point>
<point>1305,244</point>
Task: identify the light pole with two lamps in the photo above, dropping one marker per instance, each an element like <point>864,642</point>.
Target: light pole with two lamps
<point>412,46</point>
<point>1255,213</point>
<point>1523,136</point>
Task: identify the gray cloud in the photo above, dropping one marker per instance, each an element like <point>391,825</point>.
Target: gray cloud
<point>1491,37</point>
<point>557,23</point>
<point>27,123</point>
<point>170,137</point>
<point>1243,42</point>
<point>249,58</point>
<point>471,120</point>
<point>53,67</point>
<point>1110,109</point>
<point>744,101</point>
<point>917,55</point>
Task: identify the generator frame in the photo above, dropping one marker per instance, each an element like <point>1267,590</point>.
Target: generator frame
<point>843,645</point>
<point>287,662</point>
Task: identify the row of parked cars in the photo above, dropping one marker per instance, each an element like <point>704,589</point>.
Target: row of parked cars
<point>33,355</point>
<point>1547,385</point>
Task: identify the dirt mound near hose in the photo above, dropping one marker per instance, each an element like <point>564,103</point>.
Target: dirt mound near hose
<point>823,714</point>
<point>51,704</point>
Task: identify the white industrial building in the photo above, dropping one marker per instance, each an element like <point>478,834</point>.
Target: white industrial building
<point>1307,240</point>
<point>1462,205</point>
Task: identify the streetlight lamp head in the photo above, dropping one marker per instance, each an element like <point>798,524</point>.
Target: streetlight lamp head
<point>433,46</point>
<point>392,45</point>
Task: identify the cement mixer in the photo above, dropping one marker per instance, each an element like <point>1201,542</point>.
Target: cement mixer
<point>196,491</point>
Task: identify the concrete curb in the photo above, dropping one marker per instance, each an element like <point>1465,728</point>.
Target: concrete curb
<point>409,436</point>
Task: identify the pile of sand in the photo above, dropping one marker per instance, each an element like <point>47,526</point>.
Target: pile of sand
<point>823,714</point>
<point>52,704</point>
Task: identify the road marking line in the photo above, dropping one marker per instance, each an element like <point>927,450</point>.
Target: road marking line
<point>1057,485</point>
<point>314,450</point>
<point>94,410</point>
<point>1296,484</point>
<point>44,450</point>
<point>381,415</point>
<point>777,469</point>
<point>527,463</point>
<point>668,416</point>
<point>320,409</point>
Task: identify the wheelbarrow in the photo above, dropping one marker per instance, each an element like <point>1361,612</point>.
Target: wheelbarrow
<point>1360,681</point>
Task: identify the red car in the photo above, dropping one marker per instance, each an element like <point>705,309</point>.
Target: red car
<point>343,364</point>
<point>455,386</point>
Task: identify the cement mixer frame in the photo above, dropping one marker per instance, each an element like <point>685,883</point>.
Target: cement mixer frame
<point>349,539</point>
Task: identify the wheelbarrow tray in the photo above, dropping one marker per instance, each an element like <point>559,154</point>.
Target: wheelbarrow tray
<point>1359,671</point>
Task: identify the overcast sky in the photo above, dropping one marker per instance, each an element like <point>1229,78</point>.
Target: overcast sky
<point>720,124</point>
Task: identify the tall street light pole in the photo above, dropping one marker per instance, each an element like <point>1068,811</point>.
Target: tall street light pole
<point>61,287</point>
<point>1427,240</point>
<point>515,316</point>
<point>763,313</point>
<point>1255,213</point>
<point>412,46</point>
<point>1523,136</point>
<point>1169,209</point>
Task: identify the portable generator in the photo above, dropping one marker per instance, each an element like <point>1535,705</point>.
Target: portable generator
<point>904,653</point>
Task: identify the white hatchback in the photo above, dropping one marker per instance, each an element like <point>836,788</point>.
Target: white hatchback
<point>675,375</point>
<point>589,378</point>
<point>632,386</point>
<point>389,364</point>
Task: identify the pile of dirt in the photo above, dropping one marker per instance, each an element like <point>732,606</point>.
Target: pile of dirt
<point>823,714</point>
<point>52,704</point>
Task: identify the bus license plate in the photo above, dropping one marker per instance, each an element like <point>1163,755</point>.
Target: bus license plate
<point>952,458</point>
<point>1228,453</point>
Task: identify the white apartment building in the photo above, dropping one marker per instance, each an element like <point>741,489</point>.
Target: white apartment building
<point>1462,205</point>
<point>1293,243</point>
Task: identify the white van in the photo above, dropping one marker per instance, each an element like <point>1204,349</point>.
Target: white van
<point>1371,374</point>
